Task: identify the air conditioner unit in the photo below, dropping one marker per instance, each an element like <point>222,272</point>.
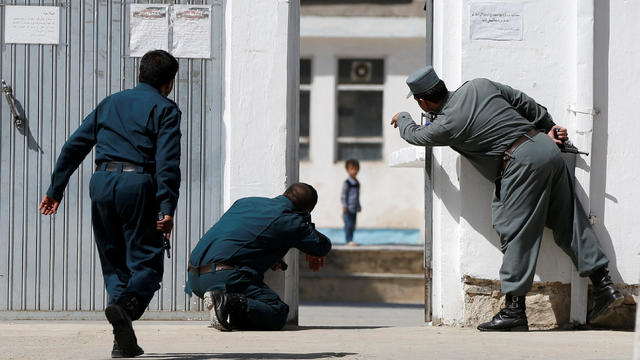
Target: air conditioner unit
<point>361,71</point>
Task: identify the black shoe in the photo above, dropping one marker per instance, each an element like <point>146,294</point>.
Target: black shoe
<point>512,317</point>
<point>605,295</point>
<point>125,337</point>
<point>221,306</point>
<point>116,352</point>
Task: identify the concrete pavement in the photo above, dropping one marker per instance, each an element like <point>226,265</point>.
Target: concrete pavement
<point>325,332</point>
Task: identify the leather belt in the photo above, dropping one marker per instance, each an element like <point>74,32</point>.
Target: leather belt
<point>208,268</point>
<point>507,155</point>
<point>122,166</point>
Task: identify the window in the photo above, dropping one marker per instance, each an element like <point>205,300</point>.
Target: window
<point>360,89</point>
<point>305,92</point>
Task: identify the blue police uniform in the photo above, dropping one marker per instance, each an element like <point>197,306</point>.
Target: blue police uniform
<point>136,134</point>
<point>253,235</point>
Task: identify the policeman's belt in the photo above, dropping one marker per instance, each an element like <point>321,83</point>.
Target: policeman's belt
<point>122,167</point>
<point>507,155</point>
<point>208,268</point>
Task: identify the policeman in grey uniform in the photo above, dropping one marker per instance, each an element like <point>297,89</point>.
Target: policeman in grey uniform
<point>512,141</point>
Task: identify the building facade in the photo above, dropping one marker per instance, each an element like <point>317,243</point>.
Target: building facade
<point>355,58</point>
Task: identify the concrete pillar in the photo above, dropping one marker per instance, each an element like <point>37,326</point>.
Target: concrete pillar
<point>260,111</point>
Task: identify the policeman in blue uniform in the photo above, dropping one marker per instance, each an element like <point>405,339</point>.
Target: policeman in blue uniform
<point>136,134</point>
<point>227,266</point>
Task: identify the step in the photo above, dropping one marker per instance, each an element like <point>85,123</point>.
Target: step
<point>391,274</point>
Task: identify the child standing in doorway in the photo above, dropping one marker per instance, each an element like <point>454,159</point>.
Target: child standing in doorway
<point>350,200</point>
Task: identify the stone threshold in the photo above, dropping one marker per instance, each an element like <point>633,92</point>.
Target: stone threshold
<point>548,305</point>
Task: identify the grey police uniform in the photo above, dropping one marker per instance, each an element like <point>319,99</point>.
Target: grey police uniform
<point>481,121</point>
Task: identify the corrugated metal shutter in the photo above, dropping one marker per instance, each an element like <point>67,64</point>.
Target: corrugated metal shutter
<point>52,263</point>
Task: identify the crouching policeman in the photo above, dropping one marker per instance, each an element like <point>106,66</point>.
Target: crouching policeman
<point>137,138</point>
<point>228,264</point>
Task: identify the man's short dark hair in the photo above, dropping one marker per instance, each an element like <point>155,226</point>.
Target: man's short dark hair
<point>303,196</point>
<point>157,68</point>
<point>435,94</point>
<point>352,162</point>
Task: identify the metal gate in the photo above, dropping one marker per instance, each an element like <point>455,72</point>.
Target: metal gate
<point>51,263</point>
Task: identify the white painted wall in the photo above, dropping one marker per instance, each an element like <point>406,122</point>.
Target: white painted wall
<point>255,120</point>
<point>544,66</point>
<point>390,197</point>
<point>615,190</point>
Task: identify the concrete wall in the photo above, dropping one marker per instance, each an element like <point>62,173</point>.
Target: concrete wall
<point>616,152</point>
<point>544,65</point>
<point>391,198</point>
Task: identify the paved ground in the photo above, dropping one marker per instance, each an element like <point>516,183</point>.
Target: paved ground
<point>325,332</point>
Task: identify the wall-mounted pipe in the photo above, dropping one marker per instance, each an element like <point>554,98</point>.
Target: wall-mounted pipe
<point>428,190</point>
<point>584,113</point>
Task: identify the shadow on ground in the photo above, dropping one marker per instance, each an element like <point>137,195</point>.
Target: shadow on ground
<point>245,356</point>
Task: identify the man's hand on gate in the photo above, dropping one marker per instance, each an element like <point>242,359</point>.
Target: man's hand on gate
<point>560,135</point>
<point>49,205</point>
<point>394,120</point>
<point>277,266</point>
<point>165,225</point>
<point>316,262</point>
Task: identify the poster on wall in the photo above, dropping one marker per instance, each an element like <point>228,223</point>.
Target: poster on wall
<point>496,21</point>
<point>191,31</point>
<point>148,28</point>
<point>32,25</point>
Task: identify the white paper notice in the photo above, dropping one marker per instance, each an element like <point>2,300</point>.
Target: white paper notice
<point>149,28</point>
<point>191,31</point>
<point>496,21</point>
<point>32,25</point>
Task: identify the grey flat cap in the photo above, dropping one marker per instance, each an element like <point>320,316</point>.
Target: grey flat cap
<point>422,80</point>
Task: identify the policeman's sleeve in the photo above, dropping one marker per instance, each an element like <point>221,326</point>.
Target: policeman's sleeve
<point>73,152</point>
<point>433,134</point>
<point>168,160</point>
<point>527,107</point>
<point>343,195</point>
<point>304,236</point>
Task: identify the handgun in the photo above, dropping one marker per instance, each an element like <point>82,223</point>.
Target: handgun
<point>166,244</point>
<point>567,146</point>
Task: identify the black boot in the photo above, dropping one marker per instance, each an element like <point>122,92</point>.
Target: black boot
<point>222,306</point>
<point>117,353</point>
<point>512,317</point>
<point>119,315</point>
<point>605,295</point>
